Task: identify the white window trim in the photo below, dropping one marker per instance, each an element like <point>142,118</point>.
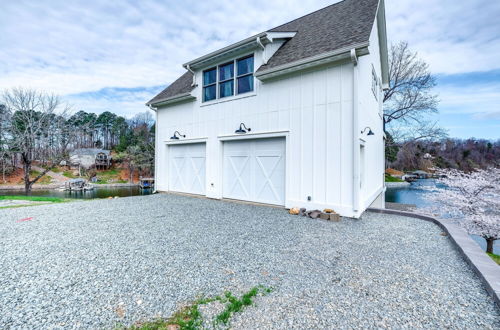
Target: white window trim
<point>235,95</point>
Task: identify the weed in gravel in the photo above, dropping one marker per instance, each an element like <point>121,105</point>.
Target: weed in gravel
<point>190,318</point>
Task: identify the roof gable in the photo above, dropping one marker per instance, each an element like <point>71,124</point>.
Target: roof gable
<point>338,26</point>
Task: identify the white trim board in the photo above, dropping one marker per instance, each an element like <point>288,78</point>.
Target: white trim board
<point>251,135</point>
<point>186,141</point>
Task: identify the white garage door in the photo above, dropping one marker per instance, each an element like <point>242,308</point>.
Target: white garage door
<point>254,170</point>
<point>187,168</point>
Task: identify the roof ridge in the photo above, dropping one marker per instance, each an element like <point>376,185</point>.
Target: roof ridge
<point>296,19</point>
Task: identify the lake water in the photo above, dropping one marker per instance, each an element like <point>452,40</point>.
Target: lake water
<point>95,193</point>
<point>414,194</point>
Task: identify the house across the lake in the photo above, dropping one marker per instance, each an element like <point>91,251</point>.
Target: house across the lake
<point>90,158</point>
<point>291,116</point>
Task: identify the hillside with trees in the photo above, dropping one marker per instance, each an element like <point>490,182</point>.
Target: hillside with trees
<point>464,155</point>
<point>37,128</point>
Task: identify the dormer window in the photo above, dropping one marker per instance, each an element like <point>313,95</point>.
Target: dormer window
<point>222,80</point>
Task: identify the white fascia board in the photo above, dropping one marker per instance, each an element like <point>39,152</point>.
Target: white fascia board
<point>248,43</point>
<point>173,99</point>
<point>313,61</point>
<point>228,49</point>
<point>280,35</point>
<point>382,40</point>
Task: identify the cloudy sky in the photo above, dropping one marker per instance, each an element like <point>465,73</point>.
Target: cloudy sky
<point>115,55</point>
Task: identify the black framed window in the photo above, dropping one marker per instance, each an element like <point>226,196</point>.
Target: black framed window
<point>209,84</point>
<point>245,74</point>
<point>229,79</point>
<point>226,80</point>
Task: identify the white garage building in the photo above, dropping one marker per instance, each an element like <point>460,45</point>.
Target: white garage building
<point>291,116</point>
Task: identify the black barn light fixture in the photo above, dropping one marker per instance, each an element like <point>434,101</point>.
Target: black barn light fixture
<point>370,132</point>
<point>176,137</point>
<point>241,130</point>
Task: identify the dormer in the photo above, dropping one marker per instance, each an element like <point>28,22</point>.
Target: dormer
<point>229,72</point>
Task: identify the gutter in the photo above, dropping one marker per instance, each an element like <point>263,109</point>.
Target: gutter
<point>355,133</point>
<point>193,84</point>
<point>264,58</point>
<point>325,58</point>
<point>173,99</point>
<point>157,147</point>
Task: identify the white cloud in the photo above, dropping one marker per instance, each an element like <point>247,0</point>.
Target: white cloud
<point>452,36</point>
<point>69,47</point>
<point>478,100</point>
<point>72,47</point>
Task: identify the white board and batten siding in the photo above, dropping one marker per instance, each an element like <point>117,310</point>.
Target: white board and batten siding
<point>310,111</point>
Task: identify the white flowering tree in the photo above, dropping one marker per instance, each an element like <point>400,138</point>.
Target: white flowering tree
<point>472,198</point>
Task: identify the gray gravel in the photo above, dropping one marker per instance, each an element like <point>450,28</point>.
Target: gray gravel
<point>100,263</point>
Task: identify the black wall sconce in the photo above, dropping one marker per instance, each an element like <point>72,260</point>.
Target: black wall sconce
<point>370,132</point>
<point>175,137</point>
<point>241,130</point>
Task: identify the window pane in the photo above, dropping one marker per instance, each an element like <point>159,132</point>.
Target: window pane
<point>226,88</point>
<point>245,66</point>
<point>245,84</point>
<point>209,93</point>
<point>226,71</point>
<point>209,77</point>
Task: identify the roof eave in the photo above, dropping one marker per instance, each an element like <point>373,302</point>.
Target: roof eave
<point>172,100</point>
<point>382,37</point>
<point>220,52</point>
<point>313,61</point>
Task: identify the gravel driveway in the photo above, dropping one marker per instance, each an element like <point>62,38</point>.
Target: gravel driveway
<point>96,264</point>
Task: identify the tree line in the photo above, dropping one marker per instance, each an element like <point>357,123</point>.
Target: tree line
<point>37,127</point>
<point>464,155</point>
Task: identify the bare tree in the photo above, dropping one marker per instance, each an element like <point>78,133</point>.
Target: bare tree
<point>37,129</point>
<point>4,127</point>
<point>410,99</point>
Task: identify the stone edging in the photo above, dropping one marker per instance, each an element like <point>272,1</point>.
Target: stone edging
<point>487,270</point>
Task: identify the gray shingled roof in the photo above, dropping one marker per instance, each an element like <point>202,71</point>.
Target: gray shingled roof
<point>340,25</point>
<point>181,86</point>
<point>337,26</point>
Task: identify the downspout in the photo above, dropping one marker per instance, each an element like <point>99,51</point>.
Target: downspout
<point>264,59</point>
<point>193,84</point>
<point>156,146</point>
<point>355,134</point>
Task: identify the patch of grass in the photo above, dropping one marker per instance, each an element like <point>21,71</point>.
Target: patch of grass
<point>190,318</point>
<point>56,170</point>
<point>34,173</point>
<point>235,305</point>
<point>109,176</point>
<point>390,178</point>
<point>46,179</point>
<point>495,257</point>
<point>33,198</point>
<point>69,174</point>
